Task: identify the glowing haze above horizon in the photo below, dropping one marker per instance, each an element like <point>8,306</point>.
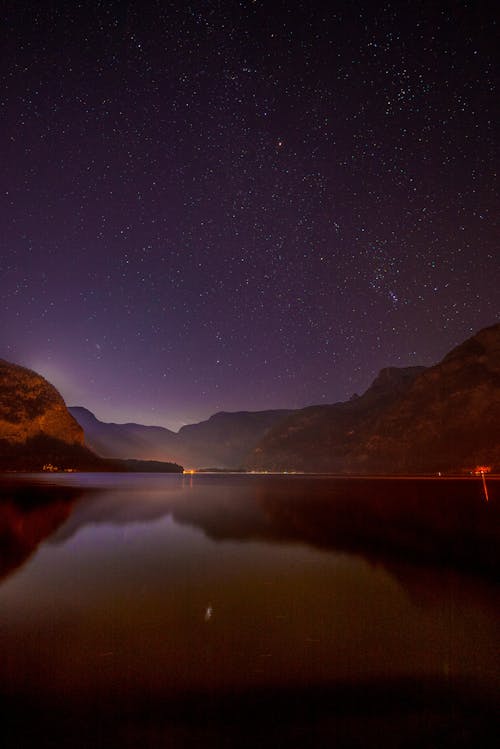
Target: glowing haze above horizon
<point>243,205</point>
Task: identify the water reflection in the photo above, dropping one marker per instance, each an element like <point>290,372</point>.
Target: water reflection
<point>28,515</point>
<point>441,524</point>
<point>330,602</point>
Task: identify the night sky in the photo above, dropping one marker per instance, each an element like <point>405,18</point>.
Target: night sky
<point>243,205</point>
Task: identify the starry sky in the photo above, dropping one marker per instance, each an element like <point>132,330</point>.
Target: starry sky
<point>243,205</point>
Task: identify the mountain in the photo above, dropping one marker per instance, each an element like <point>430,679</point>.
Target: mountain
<point>412,420</point>
<point>444,418</point>
<point>318,438</point>
<point>30,406</point>
<point>450,417</point>
<point>225,439</point>
<point>37,430</point>
<point>124,440</point>
<point>222,441</point>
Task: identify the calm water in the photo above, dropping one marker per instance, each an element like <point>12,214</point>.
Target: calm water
<point>165,610</point>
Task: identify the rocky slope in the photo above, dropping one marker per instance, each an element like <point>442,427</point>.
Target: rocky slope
<point>36,428</point>
<point>30,406</point>
<point>445,418</point>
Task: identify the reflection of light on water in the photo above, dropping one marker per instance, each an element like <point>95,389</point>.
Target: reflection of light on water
<point>481,471</point>
<point>484,486</point>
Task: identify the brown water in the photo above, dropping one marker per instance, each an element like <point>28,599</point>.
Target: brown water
<point>165,610</point>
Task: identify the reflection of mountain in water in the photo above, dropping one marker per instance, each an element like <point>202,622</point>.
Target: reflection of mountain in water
<point>443,524</point>
<point>28,515</point>
<point>432,523</point>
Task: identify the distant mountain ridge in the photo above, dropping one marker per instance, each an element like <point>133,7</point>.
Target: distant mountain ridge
<point>319,438</point>
<point>443,418</point>
<point>225,439</point>
<point>410,420</point>
<point>127,440</point>
<point>222,441</point>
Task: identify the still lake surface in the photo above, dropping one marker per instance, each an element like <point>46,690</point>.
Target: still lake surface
<point>237,610</point>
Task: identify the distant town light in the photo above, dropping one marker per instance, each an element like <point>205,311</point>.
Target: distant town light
<point>479,470</point>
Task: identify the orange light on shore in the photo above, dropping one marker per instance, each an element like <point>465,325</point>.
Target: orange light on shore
<point>479,470</point>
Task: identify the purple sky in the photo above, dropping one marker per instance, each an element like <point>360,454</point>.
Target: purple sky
<point>243,205</point>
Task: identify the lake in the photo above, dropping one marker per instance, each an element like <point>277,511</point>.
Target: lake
<point>156,610</point>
